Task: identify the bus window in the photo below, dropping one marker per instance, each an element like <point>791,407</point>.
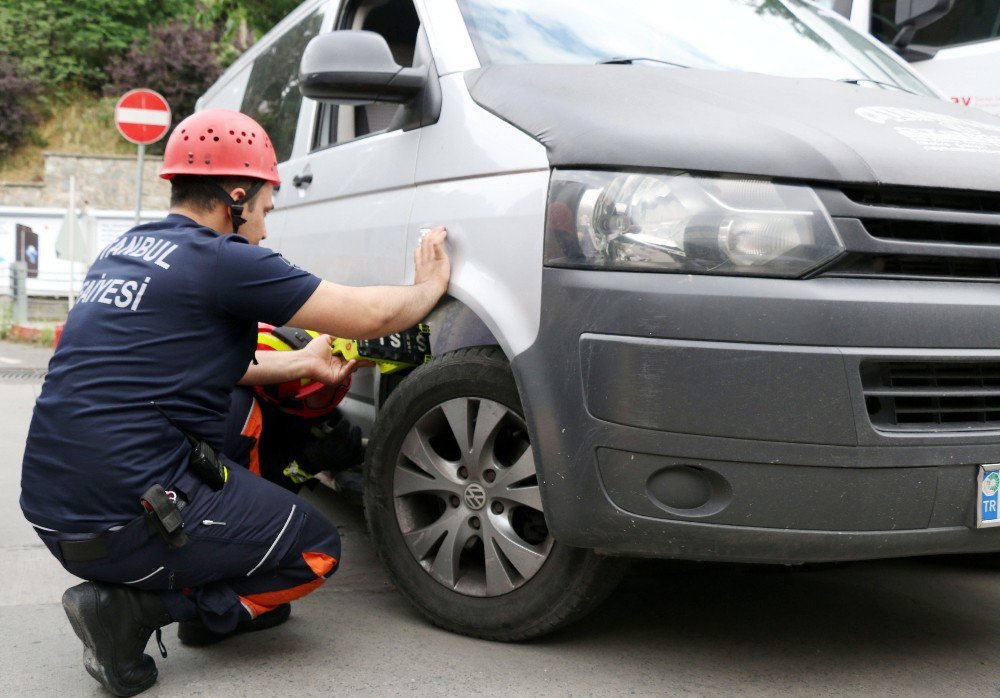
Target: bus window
<point>968,21</point>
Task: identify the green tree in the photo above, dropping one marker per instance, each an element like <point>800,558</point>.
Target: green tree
<point>19,108</point>
<point>70,43</point>
<point>178,60</point>
<point>240,23</point>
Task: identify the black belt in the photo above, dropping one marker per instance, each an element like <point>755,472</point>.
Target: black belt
<point>84,550</point>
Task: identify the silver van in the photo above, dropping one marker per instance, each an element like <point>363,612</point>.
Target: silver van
<point>725,287</point>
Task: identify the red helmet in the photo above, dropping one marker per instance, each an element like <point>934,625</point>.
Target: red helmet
<point>303,397</point>
<point>220,143</point>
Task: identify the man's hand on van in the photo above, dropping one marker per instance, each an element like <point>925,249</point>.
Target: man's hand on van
<point>367,312</point>
<point>432,263</point>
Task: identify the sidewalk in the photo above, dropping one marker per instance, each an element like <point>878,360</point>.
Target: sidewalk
<point>27,356</point>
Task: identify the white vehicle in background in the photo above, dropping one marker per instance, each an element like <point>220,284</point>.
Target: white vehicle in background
<point>957,51</point>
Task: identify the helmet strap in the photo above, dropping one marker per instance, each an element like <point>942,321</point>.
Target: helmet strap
<point>236,207</point>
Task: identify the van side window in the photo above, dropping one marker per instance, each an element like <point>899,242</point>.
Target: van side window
<point>969,21</point>
<point>272,96</point>
<point>397,22</point>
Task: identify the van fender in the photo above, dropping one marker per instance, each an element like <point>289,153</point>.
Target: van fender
<point>454,325</point>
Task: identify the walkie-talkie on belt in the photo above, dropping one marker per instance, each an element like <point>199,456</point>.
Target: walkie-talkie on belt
<point>204,462</point>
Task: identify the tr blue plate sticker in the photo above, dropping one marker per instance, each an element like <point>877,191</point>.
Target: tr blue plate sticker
<point>989,496</point>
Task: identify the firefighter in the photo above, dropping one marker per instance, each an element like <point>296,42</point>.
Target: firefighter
<point>123,475</point>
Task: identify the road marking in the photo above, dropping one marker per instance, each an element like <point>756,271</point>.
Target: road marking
<point>5,360</point>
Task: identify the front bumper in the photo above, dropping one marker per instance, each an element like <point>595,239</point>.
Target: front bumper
<point>725,418</point>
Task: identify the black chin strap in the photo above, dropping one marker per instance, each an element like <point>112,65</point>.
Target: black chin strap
<point>236,207</point>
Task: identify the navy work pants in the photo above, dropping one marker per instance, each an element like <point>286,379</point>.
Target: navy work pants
<point>251,546</point>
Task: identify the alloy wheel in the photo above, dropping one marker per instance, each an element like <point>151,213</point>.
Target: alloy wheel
<point>467,500</point>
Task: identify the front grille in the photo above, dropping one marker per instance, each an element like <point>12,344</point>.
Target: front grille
<point>919,198</point>
<point>912,233</point>
<point>927,231</point>
<point>916,267</point>
<point>921,396</point>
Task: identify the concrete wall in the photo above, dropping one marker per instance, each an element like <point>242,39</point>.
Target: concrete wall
<point>102,181</point>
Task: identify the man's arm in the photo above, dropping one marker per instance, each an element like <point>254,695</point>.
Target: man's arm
<point>367,312</point>
<point>314,361</point>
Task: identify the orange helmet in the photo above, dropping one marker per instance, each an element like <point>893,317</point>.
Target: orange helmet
<point>303,397</point>
<point>220,143</point>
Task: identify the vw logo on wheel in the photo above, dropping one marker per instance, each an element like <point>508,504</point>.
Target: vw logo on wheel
<point>475,496</point>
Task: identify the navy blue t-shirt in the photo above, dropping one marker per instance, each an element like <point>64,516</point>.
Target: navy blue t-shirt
<point>167,313</point>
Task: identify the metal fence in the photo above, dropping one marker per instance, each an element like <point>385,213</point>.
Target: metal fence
<point>57,276</point>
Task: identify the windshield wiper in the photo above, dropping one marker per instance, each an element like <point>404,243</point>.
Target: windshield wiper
<point>621,60</point>
<point>869,81</point>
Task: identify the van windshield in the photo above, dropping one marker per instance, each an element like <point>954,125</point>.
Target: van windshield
<point>779,37</point>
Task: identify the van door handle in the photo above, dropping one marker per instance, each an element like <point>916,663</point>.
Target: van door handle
<point>302,180</point>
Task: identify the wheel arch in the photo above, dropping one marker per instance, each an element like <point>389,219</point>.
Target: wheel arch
<point>454,325</point>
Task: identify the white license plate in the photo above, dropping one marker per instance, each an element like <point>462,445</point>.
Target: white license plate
<point>988,511</point>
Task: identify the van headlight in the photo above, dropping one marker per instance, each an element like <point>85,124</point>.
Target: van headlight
<point>678,222</point>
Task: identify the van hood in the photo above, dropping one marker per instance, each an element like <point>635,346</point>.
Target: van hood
<point>630,116</point>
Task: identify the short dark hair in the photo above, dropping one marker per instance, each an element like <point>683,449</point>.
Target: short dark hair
<point>197,192</point>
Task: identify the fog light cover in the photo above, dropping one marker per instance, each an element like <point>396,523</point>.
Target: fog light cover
<point>678,222</point>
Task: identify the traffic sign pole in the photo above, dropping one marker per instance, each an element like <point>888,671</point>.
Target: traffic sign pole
<point>138,179</point>
<point>142,117</point>
<point>72,238</point>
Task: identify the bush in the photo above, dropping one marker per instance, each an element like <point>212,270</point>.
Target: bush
<point>19,104</point>
<point>68,44</point>
<point>178,60</point>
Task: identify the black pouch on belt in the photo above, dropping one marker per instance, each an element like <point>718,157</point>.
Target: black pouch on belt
<point>163,517</point>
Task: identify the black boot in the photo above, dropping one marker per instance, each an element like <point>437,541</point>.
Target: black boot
<point>333,447</point>
<point>114,623</point>
<point>194,634</point>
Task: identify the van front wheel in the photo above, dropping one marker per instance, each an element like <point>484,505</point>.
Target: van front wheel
<point>454,506</point>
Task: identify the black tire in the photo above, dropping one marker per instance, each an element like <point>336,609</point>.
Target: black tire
<point>568,584</point>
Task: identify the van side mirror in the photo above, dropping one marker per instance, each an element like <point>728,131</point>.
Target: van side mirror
<point>356,67</point>
<point>912,15</point>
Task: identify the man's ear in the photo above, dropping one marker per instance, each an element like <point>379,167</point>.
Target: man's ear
<point>238,194</point>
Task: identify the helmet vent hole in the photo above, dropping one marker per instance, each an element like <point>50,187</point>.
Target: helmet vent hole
<point>249,142</point>
<point>232,133</point>
<point>211,131</point>
<point>185,137</point>
<point>215,138</point>
<point>201,138</point>
<point>243,133</point>
<point>246,164</point>
<point>238,140</point>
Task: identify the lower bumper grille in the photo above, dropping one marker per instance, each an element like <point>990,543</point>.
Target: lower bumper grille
<point>925,396</point>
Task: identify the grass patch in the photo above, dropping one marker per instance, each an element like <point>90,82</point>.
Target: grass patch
<point>80,123</point>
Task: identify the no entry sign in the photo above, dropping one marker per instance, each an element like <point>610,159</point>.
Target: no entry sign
<point>142,116</point>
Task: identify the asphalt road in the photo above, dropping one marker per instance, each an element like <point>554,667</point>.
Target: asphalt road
<point>913,627</point>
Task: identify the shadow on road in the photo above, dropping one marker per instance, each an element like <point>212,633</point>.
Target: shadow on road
<point>850,616</point>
